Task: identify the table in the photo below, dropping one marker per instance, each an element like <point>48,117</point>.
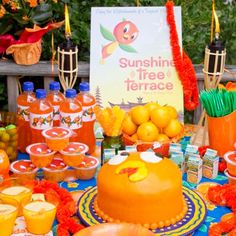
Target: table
<point>214,213</point>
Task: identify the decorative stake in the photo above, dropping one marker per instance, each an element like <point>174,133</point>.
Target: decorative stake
<point>214,65</point>
<point>67,57</point>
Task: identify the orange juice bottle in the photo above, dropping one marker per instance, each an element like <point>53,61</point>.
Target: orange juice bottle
<point>88,102</point>
<point>71,114</point>
<point>41,116</point>
<point>55,97</point>
<point>23,103</point>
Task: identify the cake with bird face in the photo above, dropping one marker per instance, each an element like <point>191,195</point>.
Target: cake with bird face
<point>140,188</point>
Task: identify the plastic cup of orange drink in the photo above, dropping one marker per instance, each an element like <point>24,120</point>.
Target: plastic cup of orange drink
<point>57,138</point>
<point>55,171</point>
<point>230,158</point>
<point>231,179</point>
<point>40,154</point>
<point>24,169</point>
<point>39,216</point>
<point>87,168</point>
<point>8,214</point>
<point>11,190</point>
<point>74,153</point>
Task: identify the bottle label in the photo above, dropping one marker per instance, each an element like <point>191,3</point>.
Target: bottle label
<point>23,112</point>
<point>88,113</point>
<point>56,113</point>
<point>41,121</point>
<point>108,153</point>
<point>71,120</point>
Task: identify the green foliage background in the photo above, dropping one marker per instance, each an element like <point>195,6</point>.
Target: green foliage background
<point>196,22</point>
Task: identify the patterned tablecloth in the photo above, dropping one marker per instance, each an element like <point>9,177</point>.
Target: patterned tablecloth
<point>214,213</point>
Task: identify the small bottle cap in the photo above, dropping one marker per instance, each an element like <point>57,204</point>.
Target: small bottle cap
<point>40,93</point>
<point>84,86</point>
<point>54,86</point>
<point>28,86</point>
<point>70,93</point>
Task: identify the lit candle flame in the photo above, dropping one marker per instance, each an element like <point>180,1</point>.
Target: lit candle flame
<point>217,27</point>
<point>67,22</point>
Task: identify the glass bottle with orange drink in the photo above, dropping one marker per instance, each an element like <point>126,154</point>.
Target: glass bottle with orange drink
<point>55,97</point>
<point>23,103</point>
<point>88,102</point>
<point>71,114</point>
<point>41,116</point>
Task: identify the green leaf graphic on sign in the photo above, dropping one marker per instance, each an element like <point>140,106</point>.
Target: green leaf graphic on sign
<point>127,48</point>
<point>107,34</point>
<point>209,219</point>
<point>203,228</point>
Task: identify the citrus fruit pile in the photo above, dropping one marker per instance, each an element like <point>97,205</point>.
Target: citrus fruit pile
<point>152,122</point>
<point>8,141</point>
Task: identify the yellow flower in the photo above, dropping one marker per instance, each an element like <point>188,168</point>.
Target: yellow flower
<point>25,18</point>
<point>14,5</point>
<point>55,1</point>
<point>2,11</point>
<point>33,3</point>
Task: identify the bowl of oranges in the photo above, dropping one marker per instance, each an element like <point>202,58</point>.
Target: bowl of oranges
<point>152,126</point>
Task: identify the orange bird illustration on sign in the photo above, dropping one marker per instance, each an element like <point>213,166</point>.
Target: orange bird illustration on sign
<point>123,35</point>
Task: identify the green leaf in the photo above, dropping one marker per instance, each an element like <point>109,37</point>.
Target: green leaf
<point>42,13</point>
<point>203,228</point>
<point>209,219</point>
<point>107,34</point>
<point>127,48</point>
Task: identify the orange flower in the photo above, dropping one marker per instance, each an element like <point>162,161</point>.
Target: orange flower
<point>33,3</point>
<point>14,5</point>
<point>2,11</point>
<point>6,2</point>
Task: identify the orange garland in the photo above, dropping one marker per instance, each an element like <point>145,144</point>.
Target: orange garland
<point>183,64</point>
<point>223,195</point>
<point>66,206</point>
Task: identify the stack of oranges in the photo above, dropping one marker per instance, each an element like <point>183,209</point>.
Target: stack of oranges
<point>152,122</point>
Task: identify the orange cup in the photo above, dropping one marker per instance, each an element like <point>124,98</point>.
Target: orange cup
<point>232,179</point>
<point>230,158</point>
<point>222,133</point>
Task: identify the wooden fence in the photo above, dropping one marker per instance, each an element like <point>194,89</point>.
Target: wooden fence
<point>44,69</point>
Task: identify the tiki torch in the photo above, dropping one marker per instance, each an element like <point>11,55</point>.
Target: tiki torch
<point>214,61</point>
<point>67,57</point>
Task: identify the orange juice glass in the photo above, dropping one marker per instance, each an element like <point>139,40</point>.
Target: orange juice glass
<point>18,193</point>
<point>39,216</point>
<point>40,154</point>
<point>8,214</point>
<point>57,138</point>
<point>74,153</point>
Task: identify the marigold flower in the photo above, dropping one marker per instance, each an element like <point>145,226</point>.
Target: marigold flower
<point>55,1</point>
<point>2,11</point>
<point>14,5</point>
<point>33,3</point>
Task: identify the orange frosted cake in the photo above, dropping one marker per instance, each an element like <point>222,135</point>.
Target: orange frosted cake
<point>140,188</point>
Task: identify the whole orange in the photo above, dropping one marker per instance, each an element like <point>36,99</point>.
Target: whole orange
<point>173,128</point>
<point>139,114</point>
<point>128,126</point>
<point>162,138</point>
<point>151,106</point>
<point>134,137</point>
<point>160,117</point>
<point>147,132</point>
<point>4,163</point>
<point>172,112</point>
